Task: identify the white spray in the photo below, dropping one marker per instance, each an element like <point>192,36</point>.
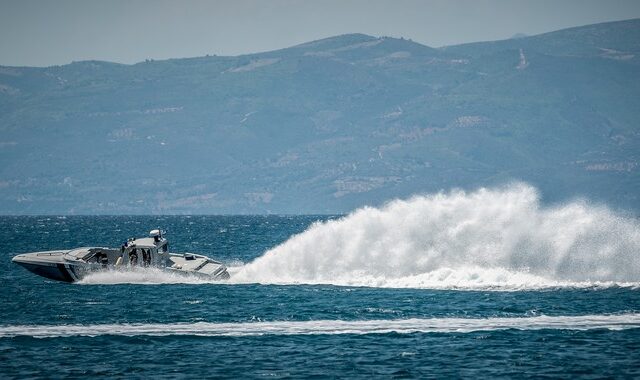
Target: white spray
<point>489,238</point>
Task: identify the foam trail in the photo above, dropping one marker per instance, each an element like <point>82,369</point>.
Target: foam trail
<point>141,276</point>
<point>487,239</point>
<point>331,327</point>
<point>150,276</point>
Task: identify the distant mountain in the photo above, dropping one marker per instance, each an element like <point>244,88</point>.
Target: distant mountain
<point>518,35</point>
<point>326,126</point>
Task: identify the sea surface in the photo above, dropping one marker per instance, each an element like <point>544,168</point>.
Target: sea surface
<point>388,302</point>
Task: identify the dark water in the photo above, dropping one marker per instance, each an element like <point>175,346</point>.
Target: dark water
<point>129,330</point>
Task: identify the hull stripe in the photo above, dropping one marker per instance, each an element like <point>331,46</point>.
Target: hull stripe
<point>72,272</point>
<point>65,273</point>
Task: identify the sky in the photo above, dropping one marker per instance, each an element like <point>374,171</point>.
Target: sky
<point>54,32</point>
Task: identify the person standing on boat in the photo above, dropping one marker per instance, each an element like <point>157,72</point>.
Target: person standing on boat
<point>133,257</point>
<point>146,257</point>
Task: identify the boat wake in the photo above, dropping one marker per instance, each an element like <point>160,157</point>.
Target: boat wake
<point>489,239</point>
<point>331,327</point>
<point>500,239</point>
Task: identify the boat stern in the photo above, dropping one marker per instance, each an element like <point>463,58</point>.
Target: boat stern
<point>198,265</point>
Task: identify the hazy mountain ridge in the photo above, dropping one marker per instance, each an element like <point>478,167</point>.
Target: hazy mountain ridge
<point>325,126</point>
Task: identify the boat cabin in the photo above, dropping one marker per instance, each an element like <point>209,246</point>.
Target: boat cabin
<point>149,251</point>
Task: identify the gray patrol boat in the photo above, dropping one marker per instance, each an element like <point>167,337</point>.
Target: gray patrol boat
<point>72,265</point>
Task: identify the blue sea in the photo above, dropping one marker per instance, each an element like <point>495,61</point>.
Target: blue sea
<point>390,292</point>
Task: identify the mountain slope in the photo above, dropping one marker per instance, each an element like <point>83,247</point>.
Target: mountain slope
<point>325,126</point>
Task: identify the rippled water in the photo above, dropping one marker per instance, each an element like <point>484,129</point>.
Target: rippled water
<point>148,324</point>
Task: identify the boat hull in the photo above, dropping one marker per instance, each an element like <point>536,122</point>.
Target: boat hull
<point>52,265</point>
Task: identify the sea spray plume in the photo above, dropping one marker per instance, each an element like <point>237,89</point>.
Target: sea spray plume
<point>487,238</point>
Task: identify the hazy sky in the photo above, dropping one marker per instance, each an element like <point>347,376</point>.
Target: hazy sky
<point>48,32</point>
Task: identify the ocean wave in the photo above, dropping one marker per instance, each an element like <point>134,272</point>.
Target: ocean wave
<point>330,327</point>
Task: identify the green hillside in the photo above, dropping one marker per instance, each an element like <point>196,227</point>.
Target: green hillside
<point>326,126</point>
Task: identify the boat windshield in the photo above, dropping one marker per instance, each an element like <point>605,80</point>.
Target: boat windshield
<point>81,253</point>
